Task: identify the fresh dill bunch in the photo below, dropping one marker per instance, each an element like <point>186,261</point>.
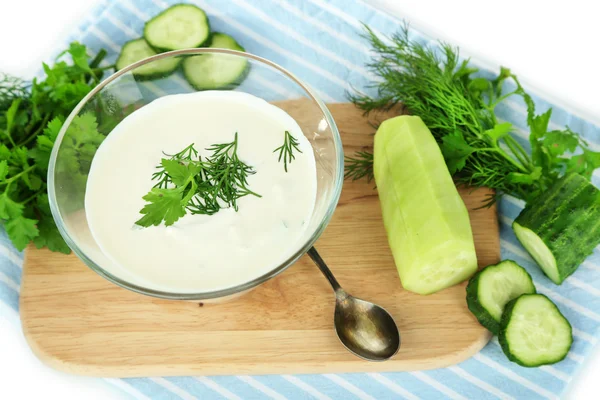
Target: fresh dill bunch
<point>11,88</point>
<point>286,150</point>
<point>359,166</point>
<point>459,109</point>
<point>227,174</point>
<point>188,183</point>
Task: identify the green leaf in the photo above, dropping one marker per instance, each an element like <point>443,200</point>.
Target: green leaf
<point>19,156</point>
<point>517,177</point>
<point>9,208</point>
<point>179,172</point>
<point>50,237</point>
<point>5,153</point>
<point>11,114</point>
<point>52,130</point>
<point>43,204</point>
<point>163,205</point>
<point>539,124</point>
<point>456,151</point>
<point>41,152</point>
<point>35,182</point>
<point>21,231</point>
<point>479,85</point>
<point>79,54</point>
<point>3,169</point>
<point>498,131</point>
<point>584,164</point>
<point>559,142</point>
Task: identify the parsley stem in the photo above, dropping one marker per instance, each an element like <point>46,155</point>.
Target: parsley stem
<point>33,196</point>
<point>17,176</point>
<point>517,151</point>
<point>500,99</point>
<point>98,59</point>
<point>37,131</point>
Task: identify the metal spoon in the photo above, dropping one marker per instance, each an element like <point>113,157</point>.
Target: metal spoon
<point>365,329</point>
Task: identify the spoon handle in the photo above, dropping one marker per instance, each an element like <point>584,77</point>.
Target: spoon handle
<point>324,269</point>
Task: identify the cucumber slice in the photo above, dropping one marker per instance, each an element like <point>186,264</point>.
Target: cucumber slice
<point>426,220</point>
<point>491,288</point>
<point>216,71</point>
<point>181,26</point>
<point>136,50</point>
<point>533,331</point>
<point>551,227</point>
<point>223,41</point>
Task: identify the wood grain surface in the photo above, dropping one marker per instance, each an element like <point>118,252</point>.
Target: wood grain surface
<point>76,321</point>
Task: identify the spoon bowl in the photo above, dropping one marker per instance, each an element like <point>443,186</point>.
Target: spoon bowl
<point>365,329</point>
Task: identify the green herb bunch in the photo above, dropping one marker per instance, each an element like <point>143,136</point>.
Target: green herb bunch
<point>459,109</point>
<point>188,183</point>
<point>31,116</point>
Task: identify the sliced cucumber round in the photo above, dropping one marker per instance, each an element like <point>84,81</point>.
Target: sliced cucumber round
<point>491,288</point>
<point>216,71</point>
<point>136,50</point>
<point>181,26</point>
<point>534,332</point>
<point>223,41</point>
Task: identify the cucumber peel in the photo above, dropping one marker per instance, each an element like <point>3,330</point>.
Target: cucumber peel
<point>427,223</point>
<point>491,288</point>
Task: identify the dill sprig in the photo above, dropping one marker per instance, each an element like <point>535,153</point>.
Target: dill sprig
<point>359,166</point>
<point>188,183</point>
<point>11,88</point>
<point>459,109</point>
<point>286,150</point>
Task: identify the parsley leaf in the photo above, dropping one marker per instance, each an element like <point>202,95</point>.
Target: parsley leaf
<point>9,208</point>
<point>21,231</point>
<point>498,131</point>
<point>186,182</point>
<point>31,116</point>
<point>50,237</point>
<point>456,151</point>
<point>163,204</point>
<point>584,163</point>
<point>179,172</point>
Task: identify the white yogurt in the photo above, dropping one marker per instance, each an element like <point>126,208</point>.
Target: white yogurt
<point>201,253</point>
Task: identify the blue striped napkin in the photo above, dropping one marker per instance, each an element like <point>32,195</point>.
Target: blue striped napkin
<point>319,41</point>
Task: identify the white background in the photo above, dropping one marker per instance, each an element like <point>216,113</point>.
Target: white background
<point>551,45</point>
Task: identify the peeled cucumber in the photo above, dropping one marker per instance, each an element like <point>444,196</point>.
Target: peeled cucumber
<point>426,220</point>
<point>562,227</point>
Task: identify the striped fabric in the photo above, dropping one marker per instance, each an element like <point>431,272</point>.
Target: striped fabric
<point>319,41</point>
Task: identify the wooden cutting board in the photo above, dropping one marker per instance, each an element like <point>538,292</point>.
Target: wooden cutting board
<point>76,321</point>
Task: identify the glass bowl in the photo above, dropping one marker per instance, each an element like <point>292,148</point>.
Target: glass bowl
<point>124,92</point>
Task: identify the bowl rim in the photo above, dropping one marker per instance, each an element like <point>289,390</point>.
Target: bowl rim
<point>221,293</point>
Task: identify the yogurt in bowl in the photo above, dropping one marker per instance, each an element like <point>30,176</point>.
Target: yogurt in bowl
<point>201,252</point>
<point>105,156</point>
